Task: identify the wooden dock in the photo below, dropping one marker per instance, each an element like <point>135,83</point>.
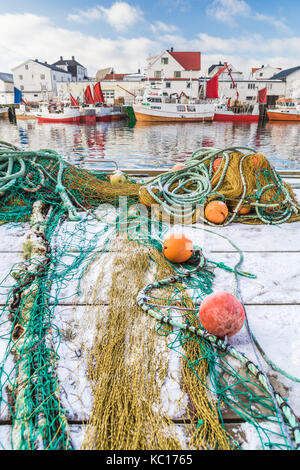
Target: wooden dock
<point>272,300</point>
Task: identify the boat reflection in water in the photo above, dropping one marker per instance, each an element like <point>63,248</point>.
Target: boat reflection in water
<point>154,145</point>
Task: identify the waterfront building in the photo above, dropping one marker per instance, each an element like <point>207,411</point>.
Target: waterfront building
<point>179,70</point>
<point>264,72</point>
<point>224,75</point>
<point>6,88</point>
<point>78,71</point>
<point>117,88</point>
<point>38,80</point>
<point>291,79</point>
<point>234,82</point>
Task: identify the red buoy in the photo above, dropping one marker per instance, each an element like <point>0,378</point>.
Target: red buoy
<point>222,314</point>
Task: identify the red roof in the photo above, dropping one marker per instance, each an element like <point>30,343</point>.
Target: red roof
<point>188,60</point>
<point>114,76</point>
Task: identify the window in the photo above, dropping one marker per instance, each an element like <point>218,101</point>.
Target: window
<point>164,60</point>
<point>157,74</point>
<point>181,109</point>
<point>191,109</point>
<point>54,77</point>
<point>21,87</point>
<point>188,84</point>
<point>177,74</point>
<point>26,67</point>
<point>261,74</point>
<point>20,77</point>
<point>42,76</point>
<point>168,84</point>
<point>251,86</point>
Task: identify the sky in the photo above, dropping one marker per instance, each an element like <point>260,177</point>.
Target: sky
<point>122,34</point>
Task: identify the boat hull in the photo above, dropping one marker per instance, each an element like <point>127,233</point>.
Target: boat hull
<point>277,116</point>
<point>171,114</point>
<point>55,119</point>
<point>25,116</point>
<point>88,119</point>
<point>149,118</point>
<point>236,117</point>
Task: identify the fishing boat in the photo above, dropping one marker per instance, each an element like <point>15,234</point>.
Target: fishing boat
<point>237,112</point>
<point>157,106</point>
<point>55,113</point>
<point>229,110</point>
<point>286,109</point>
<point>23,112</point>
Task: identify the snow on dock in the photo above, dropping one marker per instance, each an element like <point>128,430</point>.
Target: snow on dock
<point>272,302</point>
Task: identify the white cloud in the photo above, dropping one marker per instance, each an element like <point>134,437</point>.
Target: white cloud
<point>48,42</point>
<point>227,11</point>
<point>85,16</point>
<point>120,15</point>
<point>159,26</point>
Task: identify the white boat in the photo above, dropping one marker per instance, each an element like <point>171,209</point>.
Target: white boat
<point>156,106</point>
<point>286,109</point>
<point>54,113</point>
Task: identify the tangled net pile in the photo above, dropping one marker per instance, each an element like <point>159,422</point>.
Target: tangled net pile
<point>241,180</point>
<point>128,364</point>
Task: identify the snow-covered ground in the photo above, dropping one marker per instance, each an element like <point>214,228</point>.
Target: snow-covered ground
<point>272,302</point>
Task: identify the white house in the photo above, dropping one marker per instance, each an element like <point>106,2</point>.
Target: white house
<point>179,71</point>
<point>38,80</point>
<point>264,72</point>
<point>6,88</point>
<point>224,75</point>
<point>78,71</point>
<point>291,80</point>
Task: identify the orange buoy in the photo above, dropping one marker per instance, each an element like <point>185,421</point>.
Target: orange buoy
<point>244,210</point>
<point>217,162</point>
<point>178,166</point>
<point>216,212</point>
<point>222,314</point>
<point>177,248</point>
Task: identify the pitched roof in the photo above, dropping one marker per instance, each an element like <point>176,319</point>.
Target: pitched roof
<point>52,67</point>
<point>284,73</point>
<point>188,60</point>
<point>7,77</point>
<point>70,62</point>
<point>114,76</point>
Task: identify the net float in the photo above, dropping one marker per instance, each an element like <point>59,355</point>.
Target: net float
<point>217,162</point>
<point>216,212</point>
<point>222,314</point>
<point>177,248</point>
<point>117,178</point>
<point>178,166</point>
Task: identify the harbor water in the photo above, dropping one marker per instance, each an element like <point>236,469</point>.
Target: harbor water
<point>153,145</point>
